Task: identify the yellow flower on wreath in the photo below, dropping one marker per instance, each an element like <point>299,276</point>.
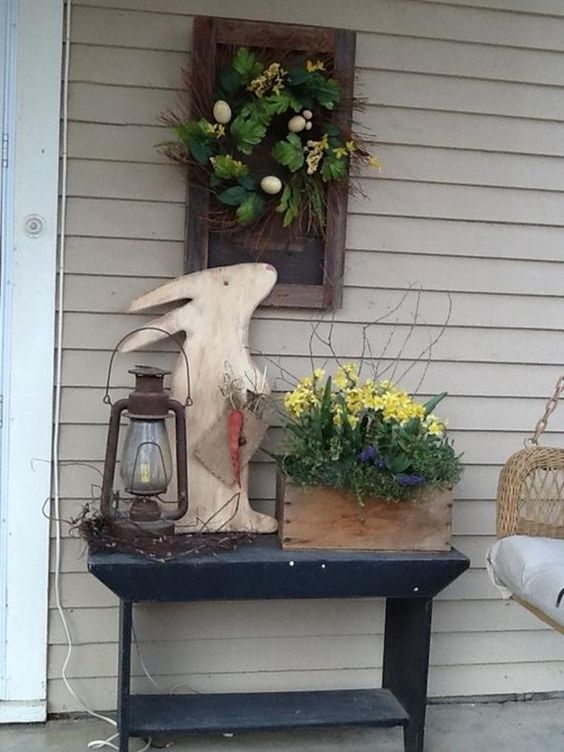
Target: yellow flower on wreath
<point>340,152</point>
<point>374,162</point>
<point>314,152</point>
<point>345,151</point>
<point>315,65</point>
<point>235,165</point>
<point>270,80</point>
<point>216,130</point>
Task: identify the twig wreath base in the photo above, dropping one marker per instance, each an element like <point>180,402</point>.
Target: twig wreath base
<point>100,535</point>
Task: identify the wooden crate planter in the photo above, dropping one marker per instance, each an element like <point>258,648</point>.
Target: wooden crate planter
<point>319,517</point>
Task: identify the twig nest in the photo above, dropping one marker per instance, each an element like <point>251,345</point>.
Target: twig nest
<point>222,112</point>
<point>308,114</point>
<point>271,185</point>
<point>296,124</point>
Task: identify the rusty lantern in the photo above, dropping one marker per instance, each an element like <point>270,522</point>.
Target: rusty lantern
<point>146,465</point>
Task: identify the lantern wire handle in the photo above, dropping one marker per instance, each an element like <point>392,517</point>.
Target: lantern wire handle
<point>108,400</point>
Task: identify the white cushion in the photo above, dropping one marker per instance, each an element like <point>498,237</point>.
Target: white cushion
<point>531,569</point>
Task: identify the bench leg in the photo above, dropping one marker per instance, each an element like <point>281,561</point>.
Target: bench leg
<point>406,661</point>
<point>124,673</point>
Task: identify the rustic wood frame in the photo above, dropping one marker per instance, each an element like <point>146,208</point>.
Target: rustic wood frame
<point>208,33</point>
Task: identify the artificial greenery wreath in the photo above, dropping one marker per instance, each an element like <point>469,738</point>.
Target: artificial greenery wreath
<point>263,107</point>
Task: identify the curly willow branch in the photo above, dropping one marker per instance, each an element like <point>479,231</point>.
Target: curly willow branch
<point>367,351</point>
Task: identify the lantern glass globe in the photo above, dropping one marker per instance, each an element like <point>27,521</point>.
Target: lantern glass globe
<point>146,461</point>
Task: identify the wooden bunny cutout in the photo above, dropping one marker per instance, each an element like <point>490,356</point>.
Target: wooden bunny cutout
<point>215,316</point>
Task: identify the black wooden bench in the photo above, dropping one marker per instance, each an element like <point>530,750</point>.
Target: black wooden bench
<point>262,570</point>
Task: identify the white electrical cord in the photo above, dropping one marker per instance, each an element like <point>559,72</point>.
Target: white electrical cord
<point>59,366</point>
<point>98,744</point>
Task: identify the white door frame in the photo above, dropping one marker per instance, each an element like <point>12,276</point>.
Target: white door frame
<point>29,280</point>
<point>7,118</point>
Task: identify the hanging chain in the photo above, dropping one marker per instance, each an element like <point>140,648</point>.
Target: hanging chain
<point>540,428</point>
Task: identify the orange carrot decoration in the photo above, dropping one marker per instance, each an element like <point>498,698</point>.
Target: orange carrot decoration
<point>235,428</point>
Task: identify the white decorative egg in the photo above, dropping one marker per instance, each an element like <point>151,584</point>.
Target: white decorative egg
<point>308,125</point>
<point>296,124</point>
<point>222,112</point>
<point>308,114</point>
<point>271,184</point>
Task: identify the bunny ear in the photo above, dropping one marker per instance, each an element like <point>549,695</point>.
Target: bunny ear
<point>164,327</point>
<point>182,288</point>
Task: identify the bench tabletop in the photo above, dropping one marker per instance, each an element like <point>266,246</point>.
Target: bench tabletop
<point>263,570</point>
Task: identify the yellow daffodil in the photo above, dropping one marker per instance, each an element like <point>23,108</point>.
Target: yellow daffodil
<point>399,406</point>
<point>338,412</point>
<point>346,375</point>
<point>353,399</point>
<point>306,395</point>
<point>340,152</point>
<point>434,426</point>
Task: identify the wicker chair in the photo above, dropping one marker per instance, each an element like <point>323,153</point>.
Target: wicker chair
<point>530,494</point>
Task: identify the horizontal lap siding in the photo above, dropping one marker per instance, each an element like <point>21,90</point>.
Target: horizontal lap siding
<point>465,101</point>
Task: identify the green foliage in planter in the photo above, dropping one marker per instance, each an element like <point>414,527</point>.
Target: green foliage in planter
<point>371,438</point>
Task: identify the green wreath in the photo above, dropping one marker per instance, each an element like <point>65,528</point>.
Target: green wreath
<point>263,107</point>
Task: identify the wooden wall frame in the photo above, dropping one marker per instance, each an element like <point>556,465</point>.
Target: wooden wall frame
<point>310,270</point>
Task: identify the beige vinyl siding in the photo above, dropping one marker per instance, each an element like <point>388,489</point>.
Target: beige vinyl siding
<point>465,99</point>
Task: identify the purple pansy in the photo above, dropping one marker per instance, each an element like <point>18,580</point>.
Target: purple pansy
<point>368,454</point>
<point>404,479</point>
<point>371,454</point>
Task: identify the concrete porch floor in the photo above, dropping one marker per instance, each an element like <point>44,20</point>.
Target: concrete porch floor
<point>536,726</point>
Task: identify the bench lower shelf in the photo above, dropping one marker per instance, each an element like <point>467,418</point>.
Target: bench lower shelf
<point>182,714</point>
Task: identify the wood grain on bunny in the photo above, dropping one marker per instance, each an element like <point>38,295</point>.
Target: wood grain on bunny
<point>215,317</point>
